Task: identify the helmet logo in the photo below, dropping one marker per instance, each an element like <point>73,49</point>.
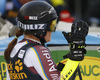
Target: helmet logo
<point>31,26</point>
<point>31,17</point>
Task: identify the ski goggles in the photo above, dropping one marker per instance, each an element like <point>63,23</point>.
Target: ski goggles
<point>52,26</point>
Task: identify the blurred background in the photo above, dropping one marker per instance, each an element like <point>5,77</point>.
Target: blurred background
<point>67,10</point>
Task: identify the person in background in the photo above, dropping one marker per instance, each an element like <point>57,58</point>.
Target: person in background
<point>11,9</point>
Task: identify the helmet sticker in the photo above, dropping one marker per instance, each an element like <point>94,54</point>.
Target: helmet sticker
<point>31,17</point>
<point>31,26</point>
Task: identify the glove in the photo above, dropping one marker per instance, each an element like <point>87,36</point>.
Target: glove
<point>76,40</point>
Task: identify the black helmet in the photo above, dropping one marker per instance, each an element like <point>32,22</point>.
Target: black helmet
<point>37,17</point>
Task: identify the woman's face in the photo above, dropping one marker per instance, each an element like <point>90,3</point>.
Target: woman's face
<point>48,36</point>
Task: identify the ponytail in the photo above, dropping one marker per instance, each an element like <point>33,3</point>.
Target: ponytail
<point>11,45</point>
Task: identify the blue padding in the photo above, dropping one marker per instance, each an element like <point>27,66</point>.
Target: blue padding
<point>56,39</point>
<point>4,43</point>
<point>2,6</point>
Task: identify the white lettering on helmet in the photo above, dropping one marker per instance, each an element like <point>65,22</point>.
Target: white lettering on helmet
<point>41,26</point>
<point>30,26</point>
<point>33,18</point>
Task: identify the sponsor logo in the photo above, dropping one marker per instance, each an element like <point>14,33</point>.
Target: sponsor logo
<point>14,72</point>
<point>2,70</point>
<point>31,26</point>
<point>18,66</point>
<point>31,17</point>
<point>51,65</point>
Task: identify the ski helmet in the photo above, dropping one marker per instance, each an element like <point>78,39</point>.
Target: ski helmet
<point>37,17</point>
